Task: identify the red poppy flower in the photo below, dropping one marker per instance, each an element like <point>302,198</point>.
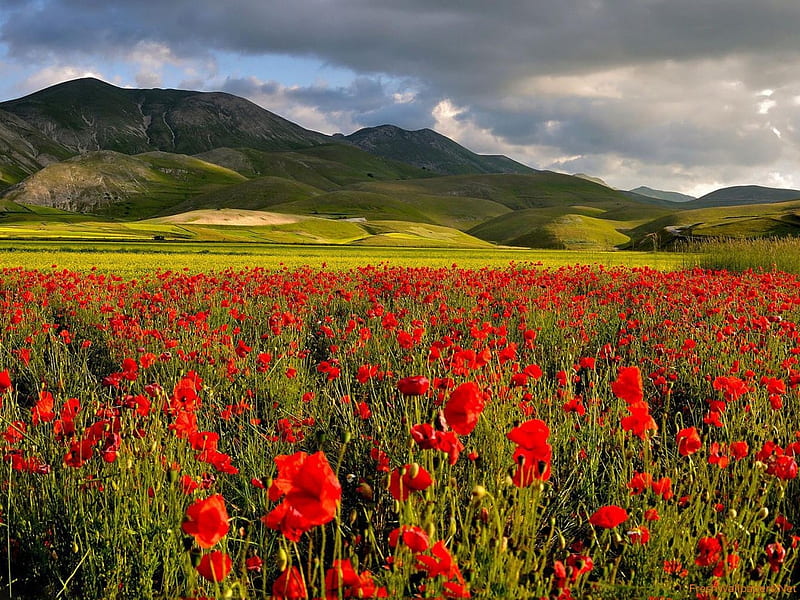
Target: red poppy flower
<point>215,566</point>
<point>663,488</point>
<point>628,385</point>
<point>413,386</point>
<point>639,421</point>
<point>464,407</point>
<point>412,536</point>
<point>709,551</point>
<point>688,441</point>
<point>43,409</point>
<point>776,554</point>
<point>207,521</point>
<point>289,585</point>
<point>343,577</point>
<point>639,535</point>
<point>608,516</point>
<point>312,493</point>
<point>531,435</point>
<point>5,382</point>
<point>440,562</point>
<point>407,479</point>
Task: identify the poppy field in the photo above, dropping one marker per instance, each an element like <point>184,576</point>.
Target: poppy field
<point>402,432</point>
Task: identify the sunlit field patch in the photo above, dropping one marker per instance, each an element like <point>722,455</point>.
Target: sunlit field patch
<point>390,431</point>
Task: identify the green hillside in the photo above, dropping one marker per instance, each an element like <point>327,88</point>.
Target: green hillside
<point>740,221</point>
<point>327,167</point>
<point>122,186</point>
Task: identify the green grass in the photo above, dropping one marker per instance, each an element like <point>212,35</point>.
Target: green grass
<point>769,254</point>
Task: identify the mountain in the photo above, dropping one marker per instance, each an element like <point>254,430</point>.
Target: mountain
<point>744,194</point>
<point>88,114</point>
<point>591,178</point>
<point>643,190</point>
<point>327,166</point>
<point>431,151</point>
<point>24,149</point>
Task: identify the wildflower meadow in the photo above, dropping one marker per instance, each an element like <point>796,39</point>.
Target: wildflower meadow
<point>398,432</point>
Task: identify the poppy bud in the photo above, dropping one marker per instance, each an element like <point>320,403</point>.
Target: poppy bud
<point>365,491</point>
<point>414,471</point>
<point>282,559</point>
<point>346,437</point>
<point>478,492</point>
<point>763,513</point>
<point>196,555</point>
<point>732,514</point>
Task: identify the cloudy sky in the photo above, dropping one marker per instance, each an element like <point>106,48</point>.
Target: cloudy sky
<point>685,95</point>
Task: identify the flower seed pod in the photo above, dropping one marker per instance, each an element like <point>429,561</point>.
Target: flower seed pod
<point>365,491</point>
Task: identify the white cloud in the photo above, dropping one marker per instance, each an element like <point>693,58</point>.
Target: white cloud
<point>56,74</point>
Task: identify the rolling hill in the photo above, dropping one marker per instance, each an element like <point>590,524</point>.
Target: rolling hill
<point>743,195</point>
<point>643,190</point>
<point>86,159</point>
<point>111,183</point>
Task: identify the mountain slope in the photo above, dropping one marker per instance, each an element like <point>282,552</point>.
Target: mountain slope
<point>112,183</point>
<point>88,114</point>
<point>328,166</point>
<point>431,151</point>
<point>643,190</point>
<point>743,194</point>
<point>24,149</point>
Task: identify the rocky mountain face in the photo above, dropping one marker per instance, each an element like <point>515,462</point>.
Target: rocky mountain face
<point>24,149</point>
<point>432,151</point>
<point>85,115</point>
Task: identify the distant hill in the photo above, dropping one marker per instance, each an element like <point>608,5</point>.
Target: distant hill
<point>115,184</point>
<point>431,151</point>
<point>772,219</point>
<point>88,114</point>
<point>744,194</point>
<point>591,178</point>
<point>643,190</point>
<point>327,166</point>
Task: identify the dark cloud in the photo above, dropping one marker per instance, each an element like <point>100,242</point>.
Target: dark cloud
<point>365,102</point>
<point>667,82</point>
